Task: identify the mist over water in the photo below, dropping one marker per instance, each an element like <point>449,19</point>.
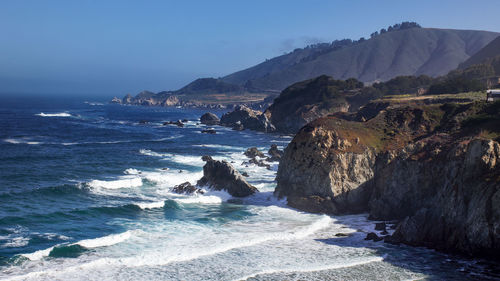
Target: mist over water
<point>85,195</point>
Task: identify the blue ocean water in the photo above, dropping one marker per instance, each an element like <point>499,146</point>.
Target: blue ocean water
<point>85,195</point>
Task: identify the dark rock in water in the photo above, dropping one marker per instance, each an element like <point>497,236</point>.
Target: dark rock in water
<point>253,152</point>
<point>341,235</point>
<point>184,120</point>
<point>209,131</point>
<point>238,126</point>
<point>391,239</point>
<point>245,174</point>
<point>380,226</point>
<point>220,175</point>
<point>259,163</point>
<point>178,123</point>
<point>247,118</point>
<point>374,237</point>
<point>209,119</point>
<point>164,169</point>
<point>275,153</point>
<point>206,158</point>
<point>311,204</point>
<point>186,188</point>
<point>384,232</point>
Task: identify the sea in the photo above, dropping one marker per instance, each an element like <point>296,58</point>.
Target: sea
<point>85,194</point>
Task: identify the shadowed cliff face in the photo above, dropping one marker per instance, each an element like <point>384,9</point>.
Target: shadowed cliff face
<point>431,167</point>
<point>446,192</point>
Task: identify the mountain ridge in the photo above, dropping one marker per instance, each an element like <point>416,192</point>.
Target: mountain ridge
<point>401,52</point>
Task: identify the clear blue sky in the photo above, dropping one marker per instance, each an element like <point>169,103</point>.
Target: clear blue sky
<point>118,47</point>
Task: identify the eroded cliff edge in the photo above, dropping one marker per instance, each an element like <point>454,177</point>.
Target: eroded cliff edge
<point>434,168</point>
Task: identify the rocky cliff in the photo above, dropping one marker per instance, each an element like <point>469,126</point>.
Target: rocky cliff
<point>446,194</point>
<point>243,117</point>
<point>432,167</point>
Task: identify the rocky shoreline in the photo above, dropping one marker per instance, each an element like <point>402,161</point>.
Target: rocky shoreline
<point>430,167</point>
<point>418,165</point>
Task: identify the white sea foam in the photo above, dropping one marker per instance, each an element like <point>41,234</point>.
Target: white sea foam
<point>177,158</point>
<point>15,242</point>
<point>201,199</point>
<point>115,184</point>
<point>132,171</point>
<point>22,141</point>
<point>305,231</point>
<point>151,153</point>
<point>105,241</point>
<point>87,243</point>
<point>61,114</point>
<point>38,254</point>
<point>171,178</point>
<point>151,205</point>
<point>357,262</point>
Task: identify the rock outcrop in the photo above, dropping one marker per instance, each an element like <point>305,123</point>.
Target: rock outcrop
<point>186,188</point>
<point>209,119</point>
<point>178,123</point>
<point>325,171</point>
<point>305,101</point>
<point>274,153</point>
<point>446,196</point>
<point>433,168</point>
<point>253,152</point>
<point>243,117</point>
<point>220,175</point>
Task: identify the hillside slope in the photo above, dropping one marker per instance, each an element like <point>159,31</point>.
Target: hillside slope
<point>488,52</point>
<point>411,51</point>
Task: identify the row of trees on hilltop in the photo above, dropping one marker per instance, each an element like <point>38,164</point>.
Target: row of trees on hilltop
<point>322,48</point>
<point>396,27</point>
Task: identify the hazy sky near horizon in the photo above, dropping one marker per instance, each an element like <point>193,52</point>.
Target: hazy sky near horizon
<point>116,47</point>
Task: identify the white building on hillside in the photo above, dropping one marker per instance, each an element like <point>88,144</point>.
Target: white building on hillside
<point>493,95</point>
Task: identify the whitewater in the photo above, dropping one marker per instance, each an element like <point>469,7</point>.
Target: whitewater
<point>86,194</point>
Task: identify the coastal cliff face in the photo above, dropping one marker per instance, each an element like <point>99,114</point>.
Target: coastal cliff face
<point>435,169</point>
<point>323,172</point>
<point>329,166</point>
<point>446,194</point>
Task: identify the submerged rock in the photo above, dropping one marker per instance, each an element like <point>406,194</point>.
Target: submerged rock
<point>209,131</point>
<point>381,226</point>
<point>374,237</point>
<point>178,123</point>
<point>209,119</point>
<point>220,175</point>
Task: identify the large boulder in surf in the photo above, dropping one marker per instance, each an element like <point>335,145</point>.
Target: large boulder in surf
<point>253,152</point>
<point>275,153</point>
<point>186,188</point>
<point>220,175</point>
<point>209,119</point>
